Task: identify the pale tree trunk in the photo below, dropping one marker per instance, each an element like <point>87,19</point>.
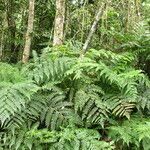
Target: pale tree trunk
<point>28,37</point>
<point>127,24</point>
<point>94,26</point>
<point>137,7</point>
<point>59,22</point>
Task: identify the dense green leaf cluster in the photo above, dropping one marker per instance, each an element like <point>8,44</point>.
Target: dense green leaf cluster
<point>62,100</point>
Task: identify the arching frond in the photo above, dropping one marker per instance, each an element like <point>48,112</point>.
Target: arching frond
<point>45,71</point>
<point>57,111</point>
<point>14,97</point>
<point>89,105</point>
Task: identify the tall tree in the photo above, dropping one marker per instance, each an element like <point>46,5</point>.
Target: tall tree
<point>2,33</point>
<point>94,25</point>
<point>28,37</point>
<point>59,23</point>
<point>11,27</point>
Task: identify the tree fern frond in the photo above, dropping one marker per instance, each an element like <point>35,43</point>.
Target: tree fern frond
<point>124,109</point>
<point>71,138</point>
<point>17,138</point>
<point>35,107</point>
<point>102,72</point>
<point>119,106</point>
<point>144,100</point>
<point>51,108</point>
<point>14,97</point>
<point>135,131</point>
<point>89,104</point>
<point>16,120</point>
<point>11,74</point>
<point>47,70</point>
<point>111,57</point>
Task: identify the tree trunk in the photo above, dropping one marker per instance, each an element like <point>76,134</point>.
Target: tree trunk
<point>1,45</point>
<point>59,23</point>
<point>137,7</point>
<point>93,28</point>
<point>2,33</point>
<point>26,52</point>
<point>127,23</point>
<point>11,27</point>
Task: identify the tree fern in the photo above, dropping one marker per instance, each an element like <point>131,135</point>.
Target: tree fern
<point>144,100</point>
<point>89,105</point>
<point>14,97</point>
<point>17,138</point>
<point>57,111</point>
<point>71,139</point>
<point>49,109</point>
<point>46,70</point>
<point>110,70</point>
<point>30,112</point>
<point>54,91</point>
<point>10,73</point>
<point>135,131</point>
<point>15,91</point>
<point>111,57</point>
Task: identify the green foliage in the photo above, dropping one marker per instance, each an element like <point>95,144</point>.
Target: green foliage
<point>134,132</point>
<point>15,91</point>
<point>11,74</point>
<point>44,70</point>
<point>115,73</point>
<point>14,97</point>
<point>63,100</point>
<point>17,139</point>
<point>88,93</point>
<point>71,139</point>
<point>57,112</point>
<point>89,105</point>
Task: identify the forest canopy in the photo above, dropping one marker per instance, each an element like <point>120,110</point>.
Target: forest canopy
<point>74,75</point>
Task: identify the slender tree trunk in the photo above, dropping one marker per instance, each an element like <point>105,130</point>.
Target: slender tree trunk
<point>26,52</point>
<point>67,21</point>
<point>1,45</point>
<point>127,24</point>
<point>11,28</point>
<point>93,28</point>
<point>2,34</point>
<point>137,7</point>
<point>59,23</point>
